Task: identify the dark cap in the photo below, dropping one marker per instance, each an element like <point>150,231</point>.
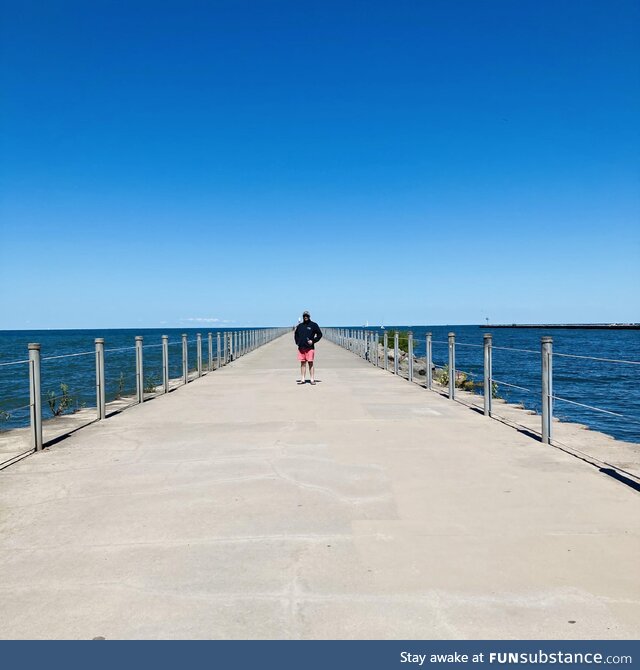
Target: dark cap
<point>305,313</point>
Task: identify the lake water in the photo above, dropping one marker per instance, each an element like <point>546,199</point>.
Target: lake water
<point>614,387</point>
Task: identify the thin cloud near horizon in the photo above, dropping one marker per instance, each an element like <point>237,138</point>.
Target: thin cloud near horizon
<point>204,319</point>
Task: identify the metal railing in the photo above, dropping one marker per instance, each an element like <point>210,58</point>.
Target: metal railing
<point>222,349</point>
<point>367,345</point>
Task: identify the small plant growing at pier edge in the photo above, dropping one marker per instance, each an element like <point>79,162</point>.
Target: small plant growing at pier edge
<point>442,376</point>
<point>59,404</point>
<point>462,382</point>
<point>403,340</point>
<point>150,384</point>
<point>120,389</point>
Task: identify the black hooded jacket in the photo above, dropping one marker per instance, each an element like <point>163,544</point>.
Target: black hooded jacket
<point>307,331</point>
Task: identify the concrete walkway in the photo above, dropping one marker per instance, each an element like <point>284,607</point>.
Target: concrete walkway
<point>245,506</point>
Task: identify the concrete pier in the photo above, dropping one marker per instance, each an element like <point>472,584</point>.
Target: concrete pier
<point>246,506</point>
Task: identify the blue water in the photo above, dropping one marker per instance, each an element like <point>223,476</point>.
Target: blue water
<point>609,386</point>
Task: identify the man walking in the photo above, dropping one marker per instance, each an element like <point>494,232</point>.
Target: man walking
<point>306,335</point>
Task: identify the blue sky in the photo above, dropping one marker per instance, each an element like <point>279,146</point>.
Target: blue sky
<point>424,162</point>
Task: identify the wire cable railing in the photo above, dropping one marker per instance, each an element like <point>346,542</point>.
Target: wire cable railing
<point>596,409</point>
<point>513,386</point>
<point>596,358</point>
<point>478,375</point>
<point>123,376</point>
<point>523,351</point>
<point>15,409</point>
<point>82,353</point>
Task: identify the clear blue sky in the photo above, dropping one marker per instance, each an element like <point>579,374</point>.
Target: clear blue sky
<point>417,162</point>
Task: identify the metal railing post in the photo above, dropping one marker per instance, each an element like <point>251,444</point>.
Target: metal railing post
<point>100,393</point>
<point>218,352</point>
<point>165,363</point>
<point>396,352</point>
<point>385,340</point>
<point>429,360</point>
<point>199,354</point>
<point>410,352</point>
<point>452,366</point>
<point>35,396</point>
<point>488,374</point>
<point>210,352</point>
<point>185,359</point>
<point>377,350</point>
<point>547,388</point>
<point>139,370</point>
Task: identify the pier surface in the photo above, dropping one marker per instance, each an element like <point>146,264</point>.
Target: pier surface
<point>246,506</point>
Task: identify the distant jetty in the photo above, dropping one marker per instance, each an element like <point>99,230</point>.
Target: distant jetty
<point>577,326</point>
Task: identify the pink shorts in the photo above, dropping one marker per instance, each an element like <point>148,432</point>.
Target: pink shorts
<point>305,354</point>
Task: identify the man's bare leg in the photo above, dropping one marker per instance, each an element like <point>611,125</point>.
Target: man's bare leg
<point>311,372</point>
<point>303,371</point>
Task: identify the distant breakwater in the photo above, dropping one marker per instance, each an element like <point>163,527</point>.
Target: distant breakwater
<point>574,326</point>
